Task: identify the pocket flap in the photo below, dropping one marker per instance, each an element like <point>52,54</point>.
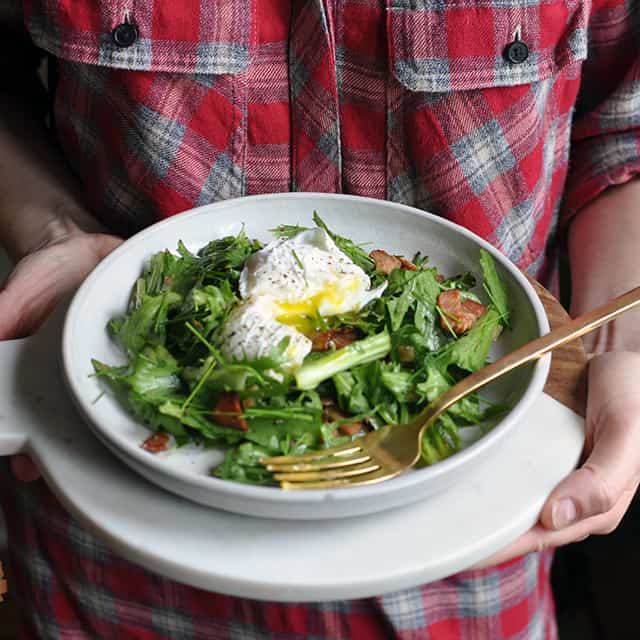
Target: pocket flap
<point>440,45</point>
<point>185,37</point>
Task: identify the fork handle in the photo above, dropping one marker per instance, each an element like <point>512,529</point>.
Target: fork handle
<point>532,351</point>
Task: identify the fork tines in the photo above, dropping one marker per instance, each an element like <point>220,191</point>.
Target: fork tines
<point>329,467</point>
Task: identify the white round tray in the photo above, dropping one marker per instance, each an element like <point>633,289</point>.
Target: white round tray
<point>270,559</point>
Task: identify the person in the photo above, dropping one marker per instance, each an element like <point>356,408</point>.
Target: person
<point>518,121</point>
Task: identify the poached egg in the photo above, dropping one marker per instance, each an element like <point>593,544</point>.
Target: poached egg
<point>285,288</point>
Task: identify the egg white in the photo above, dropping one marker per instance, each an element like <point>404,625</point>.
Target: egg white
<point>251,332</point>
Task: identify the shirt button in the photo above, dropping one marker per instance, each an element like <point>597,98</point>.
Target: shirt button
<point>124,35</point>
<point>516,52</point>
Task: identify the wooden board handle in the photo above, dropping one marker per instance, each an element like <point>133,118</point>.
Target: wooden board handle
<point>567,377</point>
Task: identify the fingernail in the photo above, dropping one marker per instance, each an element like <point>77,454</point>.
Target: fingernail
<point>564,513</point>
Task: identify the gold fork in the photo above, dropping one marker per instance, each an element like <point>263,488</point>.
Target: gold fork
<point>390,450</point>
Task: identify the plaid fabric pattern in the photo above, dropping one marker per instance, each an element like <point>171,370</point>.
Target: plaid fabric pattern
<point>79,590</point>
<point>408,100</point>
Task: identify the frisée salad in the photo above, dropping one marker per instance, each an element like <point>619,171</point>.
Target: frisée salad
<point>300,344</point>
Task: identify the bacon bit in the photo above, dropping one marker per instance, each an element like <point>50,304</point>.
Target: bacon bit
<point>460,315</point>
<point>407,264</point>
<point>332,339</point>
<point>229,403</point>
<point>351,428</point>
<point>156,443</point>
<point>331,413</point>
<point>385,262</point>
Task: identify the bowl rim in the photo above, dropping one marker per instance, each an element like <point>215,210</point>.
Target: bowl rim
<point>402,482</point>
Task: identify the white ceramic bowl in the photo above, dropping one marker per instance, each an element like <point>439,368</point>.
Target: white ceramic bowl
<point>396,228</point>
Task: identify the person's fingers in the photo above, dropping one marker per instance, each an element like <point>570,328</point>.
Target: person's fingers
<point>24,469</point>
<point>36,285</point>
<point>105,243</point>
<point>594,498</point>
<point>592,490</point>
<point>23,305</point>
<point>40,280</point>
<point>539,537</point>
<point>613,463</point>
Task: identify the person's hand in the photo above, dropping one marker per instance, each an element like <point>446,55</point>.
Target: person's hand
<point>41,278</point>
<point>37,283</point>
<point>594,498</point>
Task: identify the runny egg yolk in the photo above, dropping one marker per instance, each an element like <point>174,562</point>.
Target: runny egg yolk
<point>304,314</point>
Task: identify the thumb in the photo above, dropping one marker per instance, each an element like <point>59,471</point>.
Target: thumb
<point>590,491</point>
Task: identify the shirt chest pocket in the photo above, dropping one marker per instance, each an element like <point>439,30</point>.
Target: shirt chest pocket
<point>149,100</point>
<point>451,45</point>
<point>482,96</point>
<point>141,35</point>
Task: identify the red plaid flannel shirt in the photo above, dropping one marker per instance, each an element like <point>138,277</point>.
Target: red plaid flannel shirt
<point>162,106</point>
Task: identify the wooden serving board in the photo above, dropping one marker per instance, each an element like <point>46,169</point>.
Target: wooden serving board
<point>567,376</point>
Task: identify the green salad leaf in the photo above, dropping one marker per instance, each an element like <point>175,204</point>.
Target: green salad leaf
<point>494,287</point>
